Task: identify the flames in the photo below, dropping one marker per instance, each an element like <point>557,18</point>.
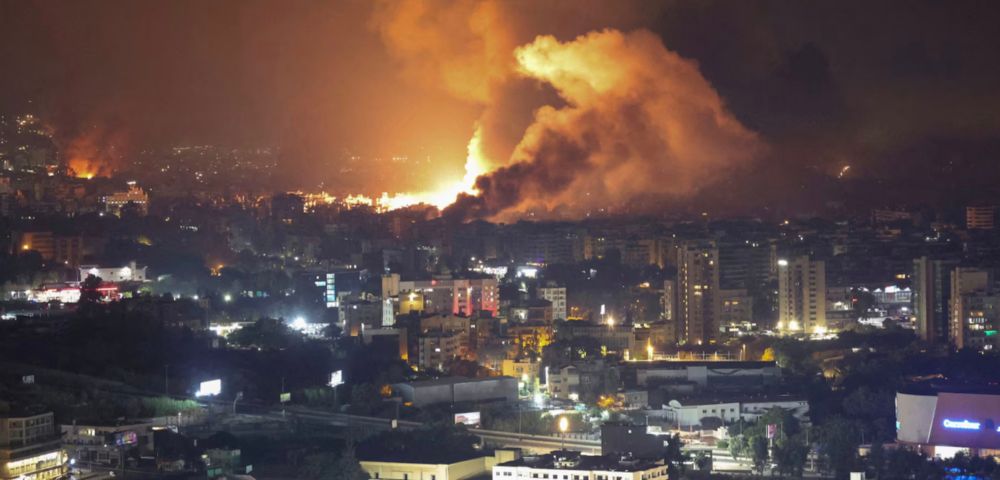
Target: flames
<point>447,194</point>
<point>635,126</point>
<point>93,153</point>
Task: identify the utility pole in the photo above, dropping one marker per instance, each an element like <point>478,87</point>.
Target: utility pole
<point>166,379</point>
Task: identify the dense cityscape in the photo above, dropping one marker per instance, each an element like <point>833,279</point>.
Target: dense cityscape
<point>645,290</point>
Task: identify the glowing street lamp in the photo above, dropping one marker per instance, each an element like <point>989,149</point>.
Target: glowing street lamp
<point>563,428</point>
<point>649,351</point>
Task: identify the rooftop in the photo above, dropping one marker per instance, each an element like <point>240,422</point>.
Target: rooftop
<point>454,381</point>
<point>569,460</point>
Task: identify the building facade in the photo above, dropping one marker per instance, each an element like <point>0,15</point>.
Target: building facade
<point>801,295</point>
<point>697,292</point>
<point>931,296</point>
<point>30,448</point>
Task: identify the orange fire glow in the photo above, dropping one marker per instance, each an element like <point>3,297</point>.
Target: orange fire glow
<point>93,153</point>
<point>475,165</point>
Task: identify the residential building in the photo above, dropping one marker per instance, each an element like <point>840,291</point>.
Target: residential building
<point>974,309</point>
<point>697,291</point>
<point>801,295</point>
<point>69,250</point>
<point>452,295</point>
<point>668,301</point>
<point>30,448</point>
<point>437,348</point>
<point>982,217</point>
<point>557,296</point>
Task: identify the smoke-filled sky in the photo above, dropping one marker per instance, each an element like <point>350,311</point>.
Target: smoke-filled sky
<point>581,104</point>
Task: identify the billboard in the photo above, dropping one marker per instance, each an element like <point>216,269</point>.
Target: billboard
<point>286,397</point>
<point>210,388</point>
<point>470,419</point>
<point>126,438</point>
<point>336,378</point>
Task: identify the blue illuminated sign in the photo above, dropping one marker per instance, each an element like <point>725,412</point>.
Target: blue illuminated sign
<point>960,424</point>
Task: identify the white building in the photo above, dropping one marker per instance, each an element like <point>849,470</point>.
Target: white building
<point>126,273</point>
<point>566,465</point>
<point>556,295</point>
<point>690,413</point>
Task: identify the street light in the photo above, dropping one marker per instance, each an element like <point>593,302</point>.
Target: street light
<point>649,351</point>
<point>563,427</point>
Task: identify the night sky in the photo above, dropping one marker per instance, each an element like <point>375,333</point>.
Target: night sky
<point>903,92</point>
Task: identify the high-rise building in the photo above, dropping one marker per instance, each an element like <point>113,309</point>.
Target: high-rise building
<point>931,293</point>
<point>556,295</point>
<point>31,448</point>
<point>974,308</point>
<point>981,217</point>
<point>801,295</point>
<point>669,301</point>
<point>697,291</point>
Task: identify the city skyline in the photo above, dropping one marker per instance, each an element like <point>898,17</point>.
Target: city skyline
<point>905,103</point>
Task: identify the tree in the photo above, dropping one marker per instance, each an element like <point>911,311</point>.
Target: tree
<point>328,466</point>
<point>674,456</point>
<point>790,456</point>
<point>90,296</point>
<point>876,460</point>
<point>266,333</point>
<point>759,453</point>
<point>838,444</point>
<point>365,398</point>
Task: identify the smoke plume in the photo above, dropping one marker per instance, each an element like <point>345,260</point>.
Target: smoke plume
<point>640,124</point>
<point>607,121</point>
<point>94,152</point>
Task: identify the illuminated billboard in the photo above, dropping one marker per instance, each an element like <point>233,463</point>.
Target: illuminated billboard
<point>336,378</point>
<point>122,439</point>
<point>210,388</point>
<point>471,419</point>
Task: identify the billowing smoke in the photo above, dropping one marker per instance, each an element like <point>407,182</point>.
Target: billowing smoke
<point>618,120</point>
<point>640,124</point>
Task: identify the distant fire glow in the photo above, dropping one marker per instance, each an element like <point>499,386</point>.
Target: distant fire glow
<point>475,166</point>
